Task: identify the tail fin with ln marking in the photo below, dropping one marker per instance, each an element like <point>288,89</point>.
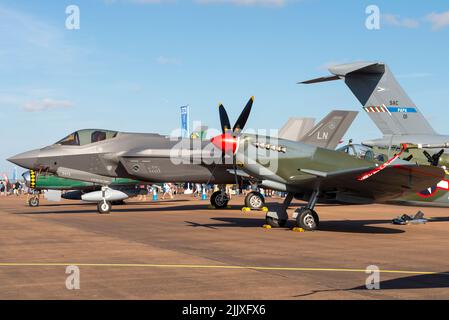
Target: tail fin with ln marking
<point>329,131</point>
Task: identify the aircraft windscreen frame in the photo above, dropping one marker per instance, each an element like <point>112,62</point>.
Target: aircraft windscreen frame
<point>362,152</point>
<point>86,136</point>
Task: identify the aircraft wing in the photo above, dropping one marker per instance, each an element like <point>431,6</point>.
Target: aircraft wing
<point>391,181</point>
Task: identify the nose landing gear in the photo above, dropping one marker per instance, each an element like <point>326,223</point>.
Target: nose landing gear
<point>104,206</point>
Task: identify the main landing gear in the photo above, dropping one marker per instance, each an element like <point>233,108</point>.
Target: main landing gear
<point>219,199</point>
<point>254,200</point>
<point>306,218</point>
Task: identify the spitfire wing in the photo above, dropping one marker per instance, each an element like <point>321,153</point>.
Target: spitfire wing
<point>392,181</point>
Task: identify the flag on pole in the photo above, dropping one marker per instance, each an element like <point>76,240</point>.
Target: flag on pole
<point>185,121</point>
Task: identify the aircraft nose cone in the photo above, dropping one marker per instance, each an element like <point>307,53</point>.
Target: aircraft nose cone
<point>26,159</point>
<point>226,142</point>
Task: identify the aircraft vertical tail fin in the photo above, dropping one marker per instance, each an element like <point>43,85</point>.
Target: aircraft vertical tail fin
<point>295,128</point>
<point>329,131</point>
<point>386,103</point>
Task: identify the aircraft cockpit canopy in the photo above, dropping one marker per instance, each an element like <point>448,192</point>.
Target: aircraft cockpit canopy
<point>87,136</point>
<point>362,152</point>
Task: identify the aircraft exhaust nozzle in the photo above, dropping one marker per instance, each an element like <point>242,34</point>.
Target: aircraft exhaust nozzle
<point>110,195</point>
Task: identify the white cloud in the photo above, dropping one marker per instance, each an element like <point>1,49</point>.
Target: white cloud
<point>438,20</point>
<point>272,3</point>
<point>167,60</point>
<point>397,21</point>
<point>46,104</point>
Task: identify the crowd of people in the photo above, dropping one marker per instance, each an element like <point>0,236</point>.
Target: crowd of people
<point>170,190</point>
<point>7,188</point>
<point>162,190</point>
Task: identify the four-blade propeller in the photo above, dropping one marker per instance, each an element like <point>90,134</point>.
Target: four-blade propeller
<point>228,140</point>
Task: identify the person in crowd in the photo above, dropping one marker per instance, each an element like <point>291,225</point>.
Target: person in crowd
<point>143,192</point>
<point>16,188</point>
<point>197,191</point>
<point>167,188</point>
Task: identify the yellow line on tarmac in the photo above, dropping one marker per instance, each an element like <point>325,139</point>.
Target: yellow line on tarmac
<point>196,266</point>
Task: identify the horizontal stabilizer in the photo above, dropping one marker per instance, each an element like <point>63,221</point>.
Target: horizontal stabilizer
<point>321,79</point>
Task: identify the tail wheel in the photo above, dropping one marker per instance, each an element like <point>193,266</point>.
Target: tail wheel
<point>33,202</point>
<point>275,223</point>
<point>255,200</point>
<point>307,219</point>
<point>104,207</point>
<point>219,200</point>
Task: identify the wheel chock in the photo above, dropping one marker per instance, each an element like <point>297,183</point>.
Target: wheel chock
<point>298,229</point>
<point>210,207</point>
<point>265,209</point>
<point>266,226</point>
<point>228,207</point>
<point>246,209</point>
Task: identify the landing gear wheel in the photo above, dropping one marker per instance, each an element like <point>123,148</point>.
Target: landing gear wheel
<point>33,202</point>
<point>104,207</point>
<point>307,219</point>
<point>275,223</point>
<point>219,200</point>
<point>254,200</point>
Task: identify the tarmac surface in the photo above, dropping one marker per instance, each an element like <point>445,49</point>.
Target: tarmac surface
<point>181,249</point>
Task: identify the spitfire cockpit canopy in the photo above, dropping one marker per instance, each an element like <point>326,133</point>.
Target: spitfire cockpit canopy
<point>362,152</point>
<point>87,136</point>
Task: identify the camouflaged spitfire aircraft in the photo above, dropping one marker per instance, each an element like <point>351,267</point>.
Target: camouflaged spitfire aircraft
<point>315,174</point>
<point>99,156</point>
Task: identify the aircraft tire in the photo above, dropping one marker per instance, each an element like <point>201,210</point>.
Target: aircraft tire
<point>219,200</point>
<point>275,223</point>
<point>33,202</point>
<point>104,207</point>
<point>254,200</point>
<point>307,219</point>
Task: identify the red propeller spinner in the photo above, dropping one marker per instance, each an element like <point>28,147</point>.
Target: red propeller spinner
<point>226,143</point>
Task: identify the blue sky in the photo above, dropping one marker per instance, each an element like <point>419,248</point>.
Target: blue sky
<point>133,63</point>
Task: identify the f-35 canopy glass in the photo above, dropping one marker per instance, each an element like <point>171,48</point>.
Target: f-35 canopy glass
<point>87,136</point>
